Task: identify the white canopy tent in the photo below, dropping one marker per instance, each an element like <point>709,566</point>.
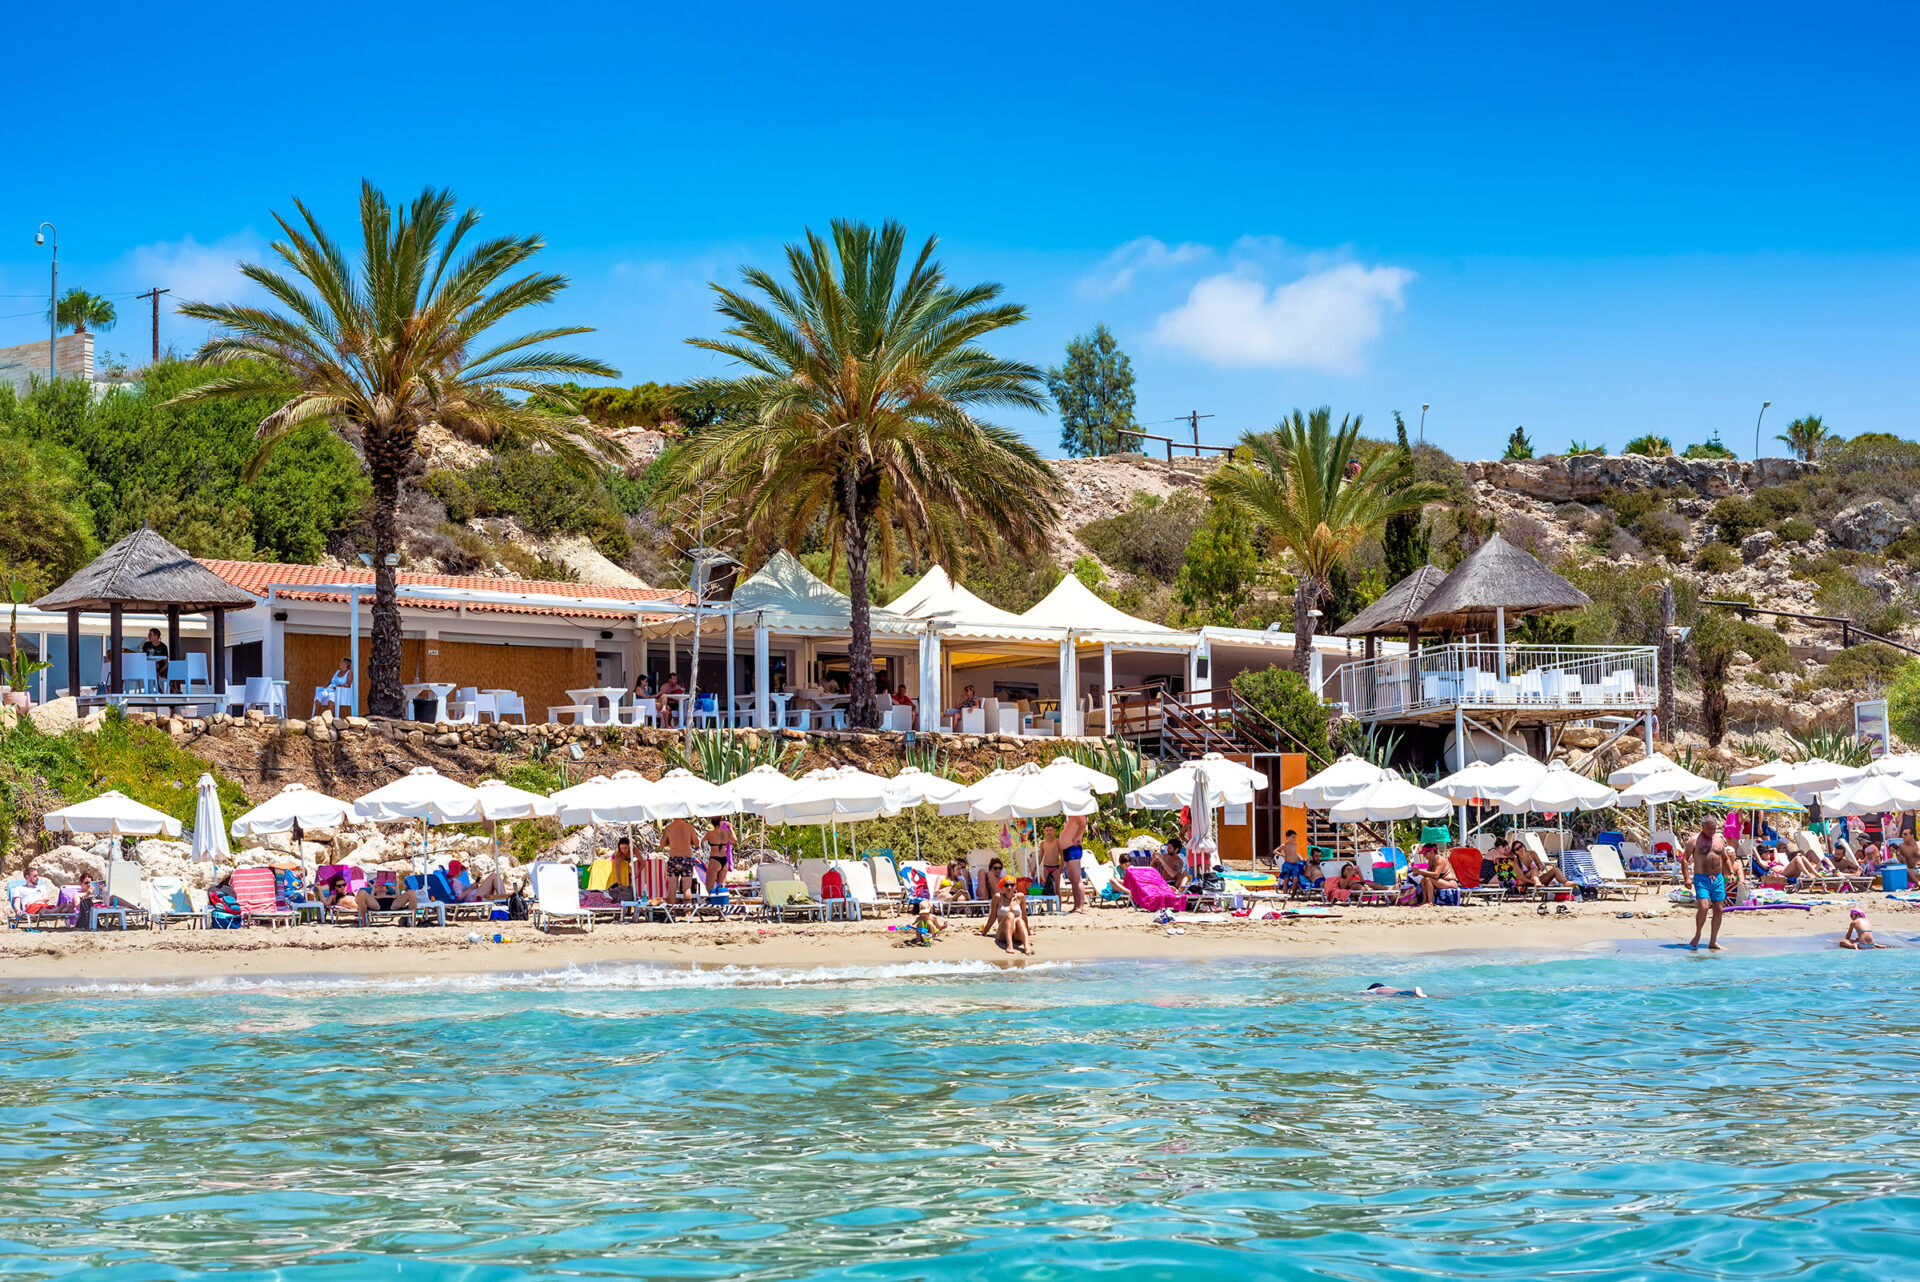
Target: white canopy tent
<point>1088,621</point>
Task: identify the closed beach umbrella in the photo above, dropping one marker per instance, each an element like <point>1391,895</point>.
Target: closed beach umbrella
<point>422,793</point>
<point>1200,838</point>
<point>1557,791</point>
<point>1652,764</point>
<point>294,804</point>
<point>1228,784</point>
<point>1393,798</point>
<point>112,814</point>
<point>209,825</point>
<point>1347,776</point>
<point>1879,791</point>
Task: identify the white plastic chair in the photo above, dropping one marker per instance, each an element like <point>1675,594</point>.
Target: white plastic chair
<point>509,705</point>
<point>641,712</point>
<point>1008,721</point>
<point>973,721</point>
<point>899,719</point>
<point>190,670</point>
<point>268,695</point>
<point>706,708</point>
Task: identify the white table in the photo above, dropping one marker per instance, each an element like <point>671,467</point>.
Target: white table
<point>438,689</point>
<point>590,698</point>
<point>780,698</point>
<point>680,706</point>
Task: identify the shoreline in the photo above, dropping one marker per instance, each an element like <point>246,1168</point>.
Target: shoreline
<point>35,961</point>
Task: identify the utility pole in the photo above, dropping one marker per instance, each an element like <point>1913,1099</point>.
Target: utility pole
<point>53,303</point>
<point>1193,418</point>
<point>154,294</point>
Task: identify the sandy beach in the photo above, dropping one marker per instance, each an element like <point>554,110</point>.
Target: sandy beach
<point>1106,935</point>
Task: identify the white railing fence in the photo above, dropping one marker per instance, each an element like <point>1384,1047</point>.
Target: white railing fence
<point>1480,675</point>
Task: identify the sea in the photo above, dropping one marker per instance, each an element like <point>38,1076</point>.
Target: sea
<point>1630,1113</point>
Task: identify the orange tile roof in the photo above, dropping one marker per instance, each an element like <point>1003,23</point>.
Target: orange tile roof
<point>257,576</point>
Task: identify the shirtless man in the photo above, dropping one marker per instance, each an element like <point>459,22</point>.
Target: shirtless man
<point>1171,866</point>
<point>1050,859</point>
<point>1707,861</point>
<point>681,837</point>
<point>1071,853</point>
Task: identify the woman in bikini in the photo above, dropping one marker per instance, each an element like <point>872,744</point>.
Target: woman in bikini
<point>719,853</point>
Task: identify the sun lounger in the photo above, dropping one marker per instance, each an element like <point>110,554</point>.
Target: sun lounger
<point>1466,871</point>
<point>255,889</point>
<point>61,912</point>
<point>1150,891</point>
<point>1612,872</point>
<point>169,902</point>
<point>556,897</point>
<point>1581,870</point>
<point>440,890</point>
<point>787,900</point>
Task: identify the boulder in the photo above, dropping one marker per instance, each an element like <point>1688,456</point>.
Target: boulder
<point>55,716</point>
<point>70,865</point>
<point>1866,527</point>
<point>1757,545</point>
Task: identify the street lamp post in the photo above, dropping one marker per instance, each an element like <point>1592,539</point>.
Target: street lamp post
<point>53,301</point>
<point>1423,423</point>
<point>1756,429</point>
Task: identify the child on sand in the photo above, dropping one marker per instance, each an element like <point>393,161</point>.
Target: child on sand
<point>1859,932</point>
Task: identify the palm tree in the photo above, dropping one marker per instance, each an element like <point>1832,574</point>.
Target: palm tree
<point>380,352</point>
<point>79,312</point>
<point>1318,500</point>
<point>858,413</point>
<point>1807,437</point>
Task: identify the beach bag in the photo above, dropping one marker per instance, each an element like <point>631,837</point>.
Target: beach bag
<point>516,907</point>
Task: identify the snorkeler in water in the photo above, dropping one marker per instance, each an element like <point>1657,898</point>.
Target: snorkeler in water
<point>1381,990</point>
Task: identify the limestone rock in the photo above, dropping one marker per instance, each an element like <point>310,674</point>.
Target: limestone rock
<point>70,865</point>
<point>1591,477</point>
<point>1867,527</point>
<point>1757,545</point>
<point>55,716</point>
<point>293,726</point>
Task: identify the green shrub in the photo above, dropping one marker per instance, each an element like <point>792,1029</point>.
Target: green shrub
<point>1651,445</point>
<point>1150,537</point>
<point>1905,547</point>
<point>547,494</point>
<point>1708,449</point>
<point>1574,515</point>
<point>1862,667</point>
<point>1285,698</point>
<point>1733,519</point>
<point>1794,530</point>
<point>1765,646</point>
<point>1777,501</point>
<point>1903,703</point>
<point>1625,608</point>
<point>1716,558</point>
<point>1663,532</point>
<point>1839,593</point>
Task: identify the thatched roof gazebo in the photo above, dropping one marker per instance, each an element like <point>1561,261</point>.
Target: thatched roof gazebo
<point>1396,609</point>
<point>146,574</point>
<point>1497,581</point>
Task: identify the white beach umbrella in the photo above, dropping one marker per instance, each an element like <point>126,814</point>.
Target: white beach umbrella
<point>114,814</point>
<point>1904,764</point>
<point>914,787</point>
<point>1027,792</point>
<point>589,801</point>
<point>1760,773</point>
<point>209,825</point>
<point>1468,784</point>
<point>842,795</point>
<point>681,794</point>
<point>1228,784</point>
<point>422,793</point>
<point>1808,779</point>
<point>1666,787</point>
<point>1879,790</point>
<point>1652,764</point>
<point>761,787</point>
<point>294,804</point>
<point>1557,791</point>
<point>1513,773</point>
<point>1094,781</point>
<point>1348,775</point>
<point>1392,798</point>
<point>499,800</point>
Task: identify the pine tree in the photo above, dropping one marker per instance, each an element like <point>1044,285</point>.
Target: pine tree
<point>1094,392</point>
<point>1518,446</point>
<point>1405,535</point>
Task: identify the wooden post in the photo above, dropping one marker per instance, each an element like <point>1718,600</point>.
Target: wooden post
<point>218,661</point>
<point>115,637</point>
<point>173,651</point>
<point>73,654</point>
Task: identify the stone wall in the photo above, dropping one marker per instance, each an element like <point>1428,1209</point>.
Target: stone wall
<point>73,359</point>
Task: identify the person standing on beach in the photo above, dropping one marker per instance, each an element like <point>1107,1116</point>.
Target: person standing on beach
<point>1050,859</point>
<point>681,837</point>
<point>719,853</point>
<point>1071,852</point>
<point>1707,860</point>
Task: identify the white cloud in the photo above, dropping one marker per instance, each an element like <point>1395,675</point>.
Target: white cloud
<point>1325,319</point>
<point>1117,271</point>
<point>198,273</point>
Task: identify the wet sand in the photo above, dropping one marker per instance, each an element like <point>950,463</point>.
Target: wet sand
<point>57,956</point>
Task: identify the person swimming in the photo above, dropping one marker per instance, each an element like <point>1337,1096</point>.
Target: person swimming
<point>1382,990</point>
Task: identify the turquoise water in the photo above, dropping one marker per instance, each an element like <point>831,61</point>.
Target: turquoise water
<point>1638,1115</point>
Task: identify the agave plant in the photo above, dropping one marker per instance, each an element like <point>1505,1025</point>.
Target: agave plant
<point>718,757</point>
<point>929,758</point>
<point>1123,761</point>
<point>1832,745</point>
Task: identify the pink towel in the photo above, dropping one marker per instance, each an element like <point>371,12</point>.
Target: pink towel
<point>1151,892</point>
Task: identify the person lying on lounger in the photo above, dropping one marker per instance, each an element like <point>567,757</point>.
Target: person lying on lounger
<point>464,892</point>
<point>335,893</point>
<point>1535,871</point>
<point>385,895</point>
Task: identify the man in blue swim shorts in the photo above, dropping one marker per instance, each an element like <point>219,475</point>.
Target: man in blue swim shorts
<point>1071,833</point>
<point>1707,860</point>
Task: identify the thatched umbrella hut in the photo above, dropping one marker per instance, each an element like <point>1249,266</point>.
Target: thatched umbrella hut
<point>1497,581</point>
<point>146,574</point>
<point>1396,609</point>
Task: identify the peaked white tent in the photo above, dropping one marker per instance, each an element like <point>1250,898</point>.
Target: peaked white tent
<point>1089,621</point>
<point>936,598</point>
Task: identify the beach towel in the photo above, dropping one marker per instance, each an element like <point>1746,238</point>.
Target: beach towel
<point>1150,890</point>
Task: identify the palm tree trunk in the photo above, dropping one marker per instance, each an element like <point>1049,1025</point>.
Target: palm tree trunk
<point>862,709</point>
<point>1306,596</point>
<point>384,698</point>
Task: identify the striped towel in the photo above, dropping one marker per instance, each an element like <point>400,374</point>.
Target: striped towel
<point>1578,865</point>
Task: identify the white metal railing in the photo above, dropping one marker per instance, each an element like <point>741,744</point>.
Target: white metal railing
<point>1473,674</point>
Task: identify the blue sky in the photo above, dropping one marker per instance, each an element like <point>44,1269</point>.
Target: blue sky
<point>1594,223</point>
